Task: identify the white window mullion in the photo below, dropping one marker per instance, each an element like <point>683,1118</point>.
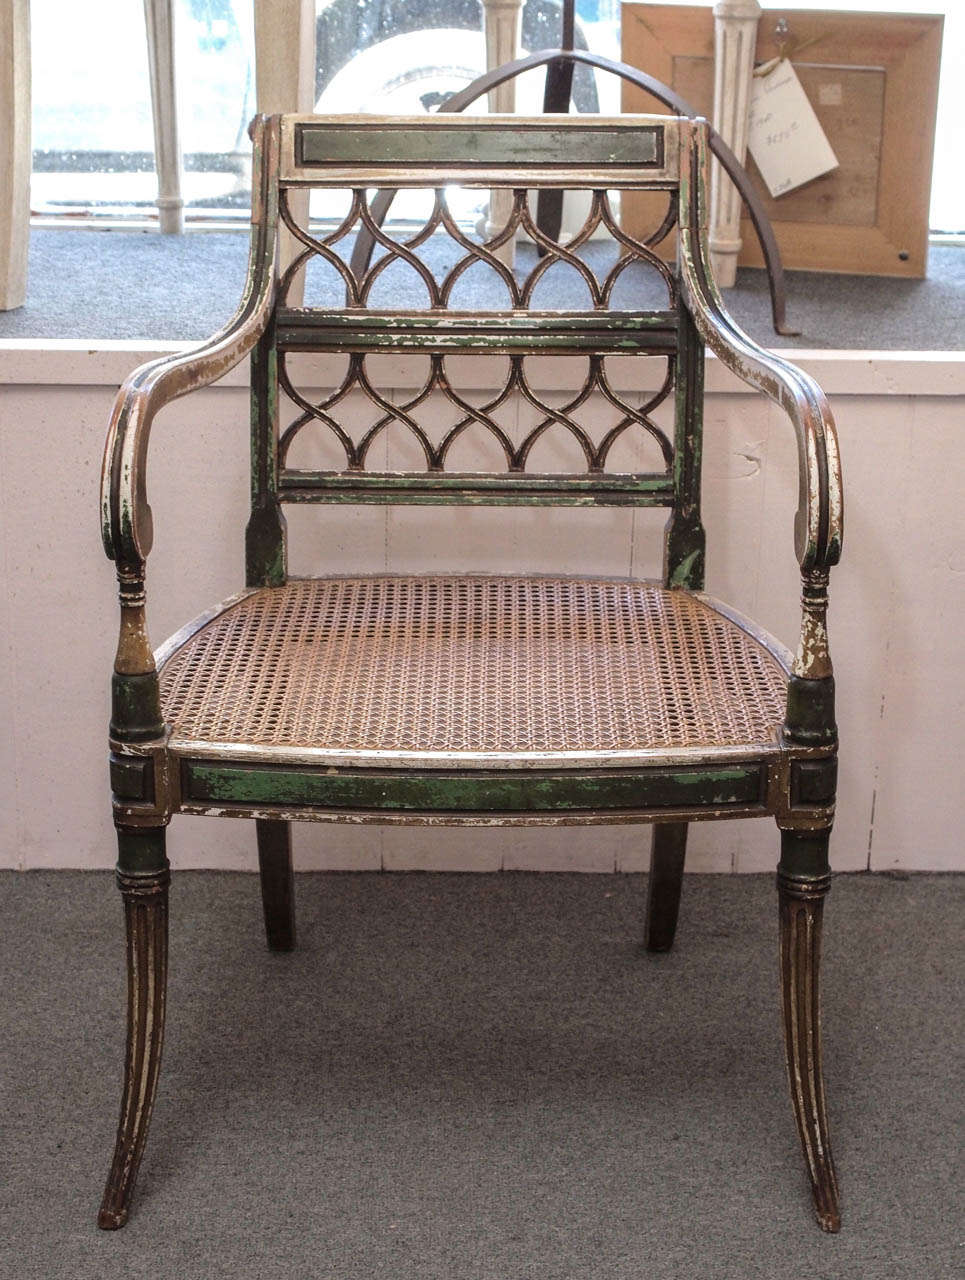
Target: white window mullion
<point>285,81</point>
<point>15,155</point>
<point>159,20</point>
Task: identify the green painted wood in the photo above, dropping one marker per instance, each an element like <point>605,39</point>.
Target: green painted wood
<point>685,540</point>
<point>476,490</point>
<point>474,145</point>
<point>141,851</point>
<point>814,782</point>
<point>443,791</point>
<point>135,707</point>
<point>810,711</point>
<point>266,557</point>
<point>506,333</point>
<point>804,858</point>
<point>132,778</point>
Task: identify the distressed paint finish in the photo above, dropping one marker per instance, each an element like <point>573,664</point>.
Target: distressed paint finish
<point>266,550</point>
<point>684,541</point>
<point>803,880</point>
<point>474,818</point>
<point>477,490</point>
<point>142,876</point>
<point>502,792</point>
<point>508,151</point>
<point>125,515</point>
<point>154,774</point>
<point>813,659</point>
<point>495,144</point>
<point>818,525</point>
<point>498,333</point>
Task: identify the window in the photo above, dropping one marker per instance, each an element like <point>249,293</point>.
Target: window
<point>92,123</point>
<point>95,158</point>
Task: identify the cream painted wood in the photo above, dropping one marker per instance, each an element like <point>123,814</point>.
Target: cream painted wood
<point>897,813</point>
<point>15,159</point>
<point>285,81</point>
<point>502,20</point>
<point>735,36</point>
<point>159,22</point>
<point>923,562</point>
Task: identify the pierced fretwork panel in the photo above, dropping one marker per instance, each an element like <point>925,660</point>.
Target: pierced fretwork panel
<point>511,424</point>
<point>439,297</point>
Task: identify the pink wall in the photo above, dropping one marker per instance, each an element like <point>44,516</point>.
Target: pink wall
<point>896,605</point>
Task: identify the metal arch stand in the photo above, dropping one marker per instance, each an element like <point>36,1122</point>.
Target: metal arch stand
<point>556,101</point>
<point>552,58</point>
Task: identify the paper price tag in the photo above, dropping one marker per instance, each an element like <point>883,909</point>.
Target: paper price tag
<point>784,135</point>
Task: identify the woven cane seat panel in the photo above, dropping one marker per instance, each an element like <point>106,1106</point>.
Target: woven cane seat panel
<point>472,664</point>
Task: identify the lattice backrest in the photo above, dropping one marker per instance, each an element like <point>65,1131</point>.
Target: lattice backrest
<point>438,293</point>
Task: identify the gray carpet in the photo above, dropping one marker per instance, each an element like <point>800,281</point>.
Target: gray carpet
<point>474,1077</point>
<point>129,284</point>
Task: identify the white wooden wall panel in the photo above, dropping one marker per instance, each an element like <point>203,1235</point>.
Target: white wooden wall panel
<point>896,612</point>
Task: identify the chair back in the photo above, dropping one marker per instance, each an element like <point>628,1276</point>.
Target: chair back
<point>498,365</point>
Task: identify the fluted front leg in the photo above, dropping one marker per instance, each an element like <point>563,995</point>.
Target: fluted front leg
<point>801,898</point>
<point>146,913</point>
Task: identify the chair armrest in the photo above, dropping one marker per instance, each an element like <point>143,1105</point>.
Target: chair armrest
<point>818,525</point>
<point>125,513</point>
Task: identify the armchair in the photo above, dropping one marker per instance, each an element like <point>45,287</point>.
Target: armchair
<point>466,698</point>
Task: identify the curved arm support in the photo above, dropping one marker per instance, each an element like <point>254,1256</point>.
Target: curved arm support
<point>125,514</point>
<point>818,528</point>
<point>481,86</point>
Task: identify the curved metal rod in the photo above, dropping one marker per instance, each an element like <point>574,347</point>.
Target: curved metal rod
<point>365,242</point>
<point>556,101</point>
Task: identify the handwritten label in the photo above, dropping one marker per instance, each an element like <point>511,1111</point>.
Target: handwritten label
<point>784,135</point>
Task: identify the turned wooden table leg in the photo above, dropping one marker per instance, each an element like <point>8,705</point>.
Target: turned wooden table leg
<point>277,882</point>
<point>666,879</point>
<point>145,893</point>
<point>803,881</point>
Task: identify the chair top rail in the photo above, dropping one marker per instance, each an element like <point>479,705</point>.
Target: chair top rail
<point>507,150</point>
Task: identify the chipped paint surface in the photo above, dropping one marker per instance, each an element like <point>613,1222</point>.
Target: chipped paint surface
<point>419,792</point>
<point>813,659</point>
<point>791,777</point>
<point>818,524</point>
<point>125,514</point>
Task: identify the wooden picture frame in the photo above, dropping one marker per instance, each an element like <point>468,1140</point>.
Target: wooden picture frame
<point>872,79</point>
